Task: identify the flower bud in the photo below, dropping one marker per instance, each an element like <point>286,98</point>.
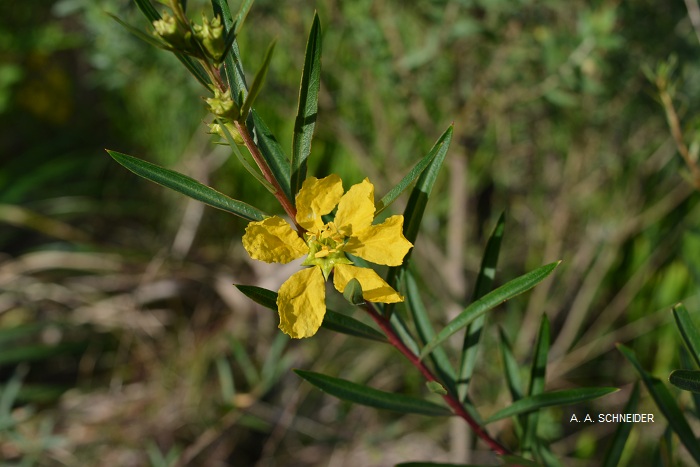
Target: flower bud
<point>222,105</point>
<point>174,33</point>
<point>211,37</point>
<point>216,129</point>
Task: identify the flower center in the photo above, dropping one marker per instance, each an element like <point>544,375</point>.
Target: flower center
<point>325,249</point>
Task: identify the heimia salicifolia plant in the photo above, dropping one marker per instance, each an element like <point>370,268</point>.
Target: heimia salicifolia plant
<point>342,247</point>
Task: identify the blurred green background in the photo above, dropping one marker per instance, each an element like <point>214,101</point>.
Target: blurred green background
<point>122,339</point>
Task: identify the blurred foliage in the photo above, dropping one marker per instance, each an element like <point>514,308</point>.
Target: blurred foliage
<point>118,294</point>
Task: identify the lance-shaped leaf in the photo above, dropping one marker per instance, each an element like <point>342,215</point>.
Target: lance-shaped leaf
<point>415,208</point>
<point>617,445</point>
<point>490,301</point>
<point>192,65</point>
<point>333,321</point>
<point>688,380</point>
<point>187,186</point>
<point>666,403</point>
<point>307,112</point>
<point>550,399</point>
<point>418,312</point>
<point>233,68</point>
<point>359,394</point>
<point>258,81</point>
<point>537,380</point>
<point>484,283</point>
<point>442,142</point>
<point>688,331</point>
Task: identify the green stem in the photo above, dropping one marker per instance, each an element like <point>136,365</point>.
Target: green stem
<point>451,400</point>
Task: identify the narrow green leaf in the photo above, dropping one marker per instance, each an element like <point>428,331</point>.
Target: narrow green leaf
<point>688,364</point>
<point>416,308</point>
<point>484,283</point>
<point>353,292</point>
<point>415,172</point>
<point>242,358</point>
<point>666,403</point>
<point>415,208</point>
<point>688,380</point>
<point>226,385</point>
<point>192,65</point>
<point>688,331</point>
<point>244,162</point>
<point>403,332</point>
<point>490,301</point>
<point>305,122</point>
<point>147,38</point>
<point>187,186</point>
<point>10,391</point>
<point>333,321</point>
<point>233,68</point>
<point>550,399</point>
<point>272,152</point>
<point>258,81</point>
<point>510,365</point>
<point>617,445</point>
<point>359,394</point>
<point>147,9</point>
<point>537,379</point>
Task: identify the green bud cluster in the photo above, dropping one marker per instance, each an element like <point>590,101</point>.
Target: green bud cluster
<point>211,37</point>
<point>175,34</point>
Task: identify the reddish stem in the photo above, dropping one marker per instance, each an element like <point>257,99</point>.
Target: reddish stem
<point>267,173</point>
<point>385,325</point>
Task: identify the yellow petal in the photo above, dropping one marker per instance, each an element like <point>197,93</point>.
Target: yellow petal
<point>356,209</point>
<point>374,289</point>
<point>274,241</point>
<point>381,244</point>
<point>317,198</point>
<point>302,303</point>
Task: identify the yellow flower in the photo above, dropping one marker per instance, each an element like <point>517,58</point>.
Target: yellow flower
<point>301,299</point>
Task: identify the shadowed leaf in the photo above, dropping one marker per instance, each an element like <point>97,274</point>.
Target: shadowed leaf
<point>359,394</point>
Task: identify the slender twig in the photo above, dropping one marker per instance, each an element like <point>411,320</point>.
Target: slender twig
<point>456,406</point>
<point>267,173</point>
<point>675,126</point>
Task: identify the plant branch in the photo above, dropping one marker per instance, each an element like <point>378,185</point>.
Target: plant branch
<point>675,126</point>
<point>451,400</point>
<point>267,173</point>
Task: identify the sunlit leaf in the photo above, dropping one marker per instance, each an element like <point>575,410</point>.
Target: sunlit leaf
<point>440,146</point>
<point>490,301</point>
<point>258,82</point>
<point>307,112</point>
<point>359,394</point>
<point>187,186</point>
